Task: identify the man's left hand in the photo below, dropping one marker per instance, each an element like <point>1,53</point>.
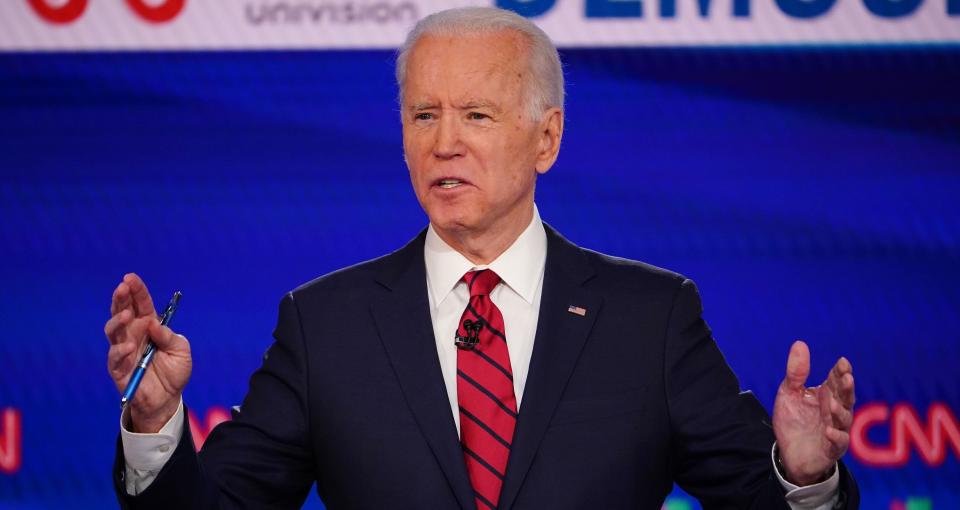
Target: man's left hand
<point>812,425</point>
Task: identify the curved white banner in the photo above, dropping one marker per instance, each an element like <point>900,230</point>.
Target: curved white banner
<point>29,25</point>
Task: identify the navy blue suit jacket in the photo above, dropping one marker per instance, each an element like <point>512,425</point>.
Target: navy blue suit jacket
<point>619,403</point>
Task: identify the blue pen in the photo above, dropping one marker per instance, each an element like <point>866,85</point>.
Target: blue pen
<point>134,382</point>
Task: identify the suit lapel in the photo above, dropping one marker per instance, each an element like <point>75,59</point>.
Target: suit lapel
<point>560,337</point>
<point>403,321</point>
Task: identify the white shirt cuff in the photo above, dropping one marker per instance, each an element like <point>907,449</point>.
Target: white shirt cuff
<point>146,454</point>
<point>819,496</point>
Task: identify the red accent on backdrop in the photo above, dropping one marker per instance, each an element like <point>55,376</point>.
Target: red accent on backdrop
<point>200,430</point>
<point>907,433</point>
<point>11,441</point>
<point>159,13</point>
<point>73,9</point>
<point>66,13</point>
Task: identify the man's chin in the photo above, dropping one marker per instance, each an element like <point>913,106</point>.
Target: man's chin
<point>451,225</point>
<point>453,217</point>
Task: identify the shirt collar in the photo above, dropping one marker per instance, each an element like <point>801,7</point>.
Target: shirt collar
<point>520,267</point>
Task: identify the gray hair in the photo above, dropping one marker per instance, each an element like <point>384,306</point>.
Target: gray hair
<point>545,88</point>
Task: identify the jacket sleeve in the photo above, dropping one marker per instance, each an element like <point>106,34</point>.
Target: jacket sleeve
<point>260,459</point>
<point>722,435</point>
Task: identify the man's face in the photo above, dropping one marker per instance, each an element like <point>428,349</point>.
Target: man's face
<point>472,149</point>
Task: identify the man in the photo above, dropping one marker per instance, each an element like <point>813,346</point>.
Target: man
<point>489,363</point>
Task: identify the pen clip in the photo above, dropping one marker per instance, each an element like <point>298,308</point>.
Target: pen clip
<point>170,309</point>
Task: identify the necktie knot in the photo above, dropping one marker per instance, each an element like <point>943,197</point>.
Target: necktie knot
<point>482,282</point>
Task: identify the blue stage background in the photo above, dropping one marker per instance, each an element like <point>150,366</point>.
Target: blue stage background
<point>811,192</point>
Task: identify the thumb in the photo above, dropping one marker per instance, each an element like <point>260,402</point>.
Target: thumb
<point>164,338</point>
<point>798,366</point>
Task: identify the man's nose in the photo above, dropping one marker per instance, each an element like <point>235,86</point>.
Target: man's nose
<point>448,143</point>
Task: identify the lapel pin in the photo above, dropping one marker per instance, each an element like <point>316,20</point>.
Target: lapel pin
<point>577,310</point>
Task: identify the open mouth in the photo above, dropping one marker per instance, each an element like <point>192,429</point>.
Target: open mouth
<point>449,183</point>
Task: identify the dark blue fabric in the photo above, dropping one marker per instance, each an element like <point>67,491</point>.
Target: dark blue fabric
<point>618,404</point>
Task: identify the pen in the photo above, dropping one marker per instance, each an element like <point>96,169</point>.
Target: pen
<point>137,376</point>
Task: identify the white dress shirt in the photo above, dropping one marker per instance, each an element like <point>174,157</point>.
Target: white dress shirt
<point>521,269</point>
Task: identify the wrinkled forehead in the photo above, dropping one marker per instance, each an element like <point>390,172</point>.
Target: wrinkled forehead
<point>470,66</point>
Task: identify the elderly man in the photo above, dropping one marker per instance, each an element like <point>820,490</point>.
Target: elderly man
<point>489,363</point>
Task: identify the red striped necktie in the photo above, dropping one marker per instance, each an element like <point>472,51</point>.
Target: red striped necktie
<point>488,407</point>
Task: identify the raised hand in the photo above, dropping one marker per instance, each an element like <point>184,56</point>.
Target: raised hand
<point>812,425</point>
<point>133,321</point>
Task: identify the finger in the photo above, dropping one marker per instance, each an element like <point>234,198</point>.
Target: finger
<point>826,401</point>
<point>121,298</point>
<point>136,333</point>
<point>118,354</point>
<point>842,417</point>
<point>142,302</point>
<point>114,326</point>
<point>121,360</point>
<point>843,366</point>
<point>840,368</point>
<point>839,442</point>
<point>123,355</point>
<point>798,366</point>
<point>847,391</point>
<point>165,339</point>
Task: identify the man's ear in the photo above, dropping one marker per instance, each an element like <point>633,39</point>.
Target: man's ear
<point>550,129</point>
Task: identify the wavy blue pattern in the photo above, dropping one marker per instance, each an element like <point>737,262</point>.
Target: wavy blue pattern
<point>810,193</point>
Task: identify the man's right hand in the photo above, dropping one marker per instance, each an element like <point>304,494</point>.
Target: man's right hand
<point>133,321</point>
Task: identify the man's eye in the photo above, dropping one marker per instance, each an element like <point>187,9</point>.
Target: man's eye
<point>477,116</point>
<point>423,116</point>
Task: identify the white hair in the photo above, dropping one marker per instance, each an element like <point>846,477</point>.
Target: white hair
<point>545,87</point>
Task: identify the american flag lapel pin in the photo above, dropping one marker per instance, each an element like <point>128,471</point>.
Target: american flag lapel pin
<point>577,310</point>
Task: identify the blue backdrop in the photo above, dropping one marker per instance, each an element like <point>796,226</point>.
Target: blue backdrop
<point>812,193</point>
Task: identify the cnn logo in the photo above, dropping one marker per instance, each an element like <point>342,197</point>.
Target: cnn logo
<point>67,11</point>
<point>907,433</point>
